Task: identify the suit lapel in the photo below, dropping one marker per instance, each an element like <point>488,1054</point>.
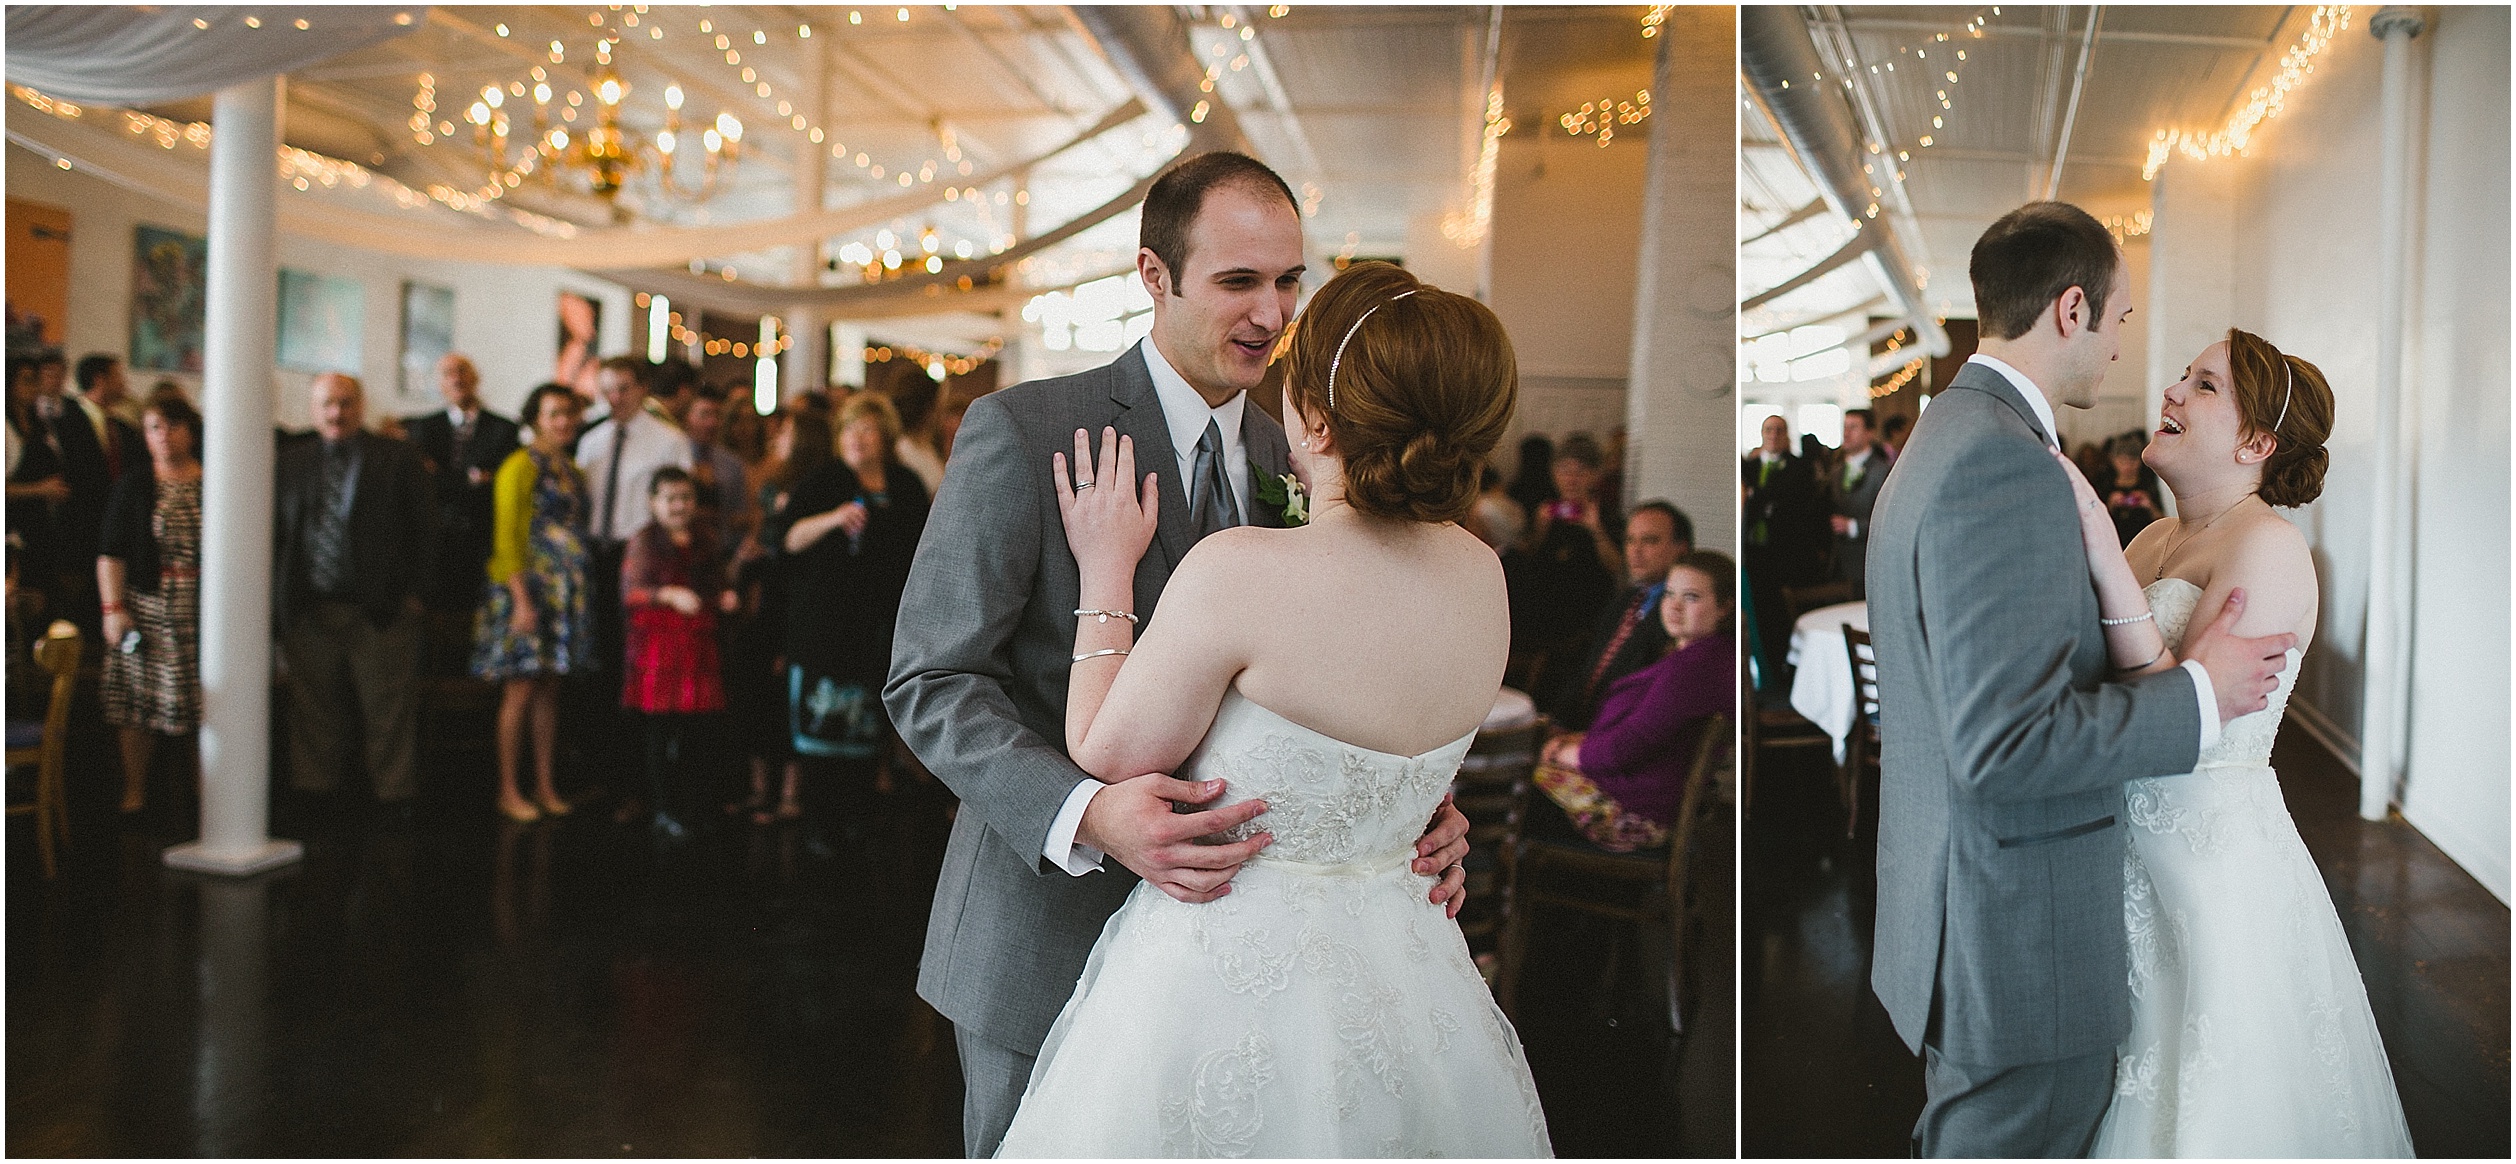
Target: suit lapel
<point>1140,417</point>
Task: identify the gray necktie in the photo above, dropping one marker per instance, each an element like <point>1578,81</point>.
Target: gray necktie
<point>327,540</point>
<point>1213,507</point>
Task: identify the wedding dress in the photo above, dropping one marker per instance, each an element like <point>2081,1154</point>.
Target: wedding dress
<point>2251,1034</point>
<point>1321,1008</point>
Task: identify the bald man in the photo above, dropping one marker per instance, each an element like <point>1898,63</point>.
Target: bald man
<point>354,540</point>
<point>462,445</point>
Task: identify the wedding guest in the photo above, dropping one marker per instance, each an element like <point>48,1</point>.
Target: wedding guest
<point>69,458</point>
<point>148,572</point>
<point>1627,634</point>
<point>618,455</point>
<point>848,533</point>
<point>1497,520</point>
<point>1784,525</point>
<point>1570,567</point>
<point>1892,433</point>
<point>917,397</point>
<point>1861,468</point>
<point>948,423</point>
<point>463,446</point>
<point>355,542</point>
<point>2089,457</point>
<point>756,661</point>
<point>1616,786</point>
<point>674,586</point>
<point>746,431</point>
<point>534,626</point>
<point>716,473</point>
<point>102,383</point>
<point>1533,482</point>
<point>2131,492</point>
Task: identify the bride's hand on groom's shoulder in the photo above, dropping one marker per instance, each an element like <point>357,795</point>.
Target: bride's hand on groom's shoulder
<point>1133,822</point>
<point>1110,513</point>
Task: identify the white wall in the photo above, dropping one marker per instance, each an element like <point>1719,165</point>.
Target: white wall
<point>2285,243</point>
<point>505,318</point>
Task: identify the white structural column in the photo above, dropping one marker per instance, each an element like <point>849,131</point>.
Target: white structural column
<point>807,363</point>
<point>236,490</point>
<point>1679,408</point>
<point>2388,671</point>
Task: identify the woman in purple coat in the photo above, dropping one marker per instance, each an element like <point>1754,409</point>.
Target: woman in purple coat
<point>1617,785</point>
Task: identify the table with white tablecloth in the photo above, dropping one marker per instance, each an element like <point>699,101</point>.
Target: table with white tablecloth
<point>1822,689</point>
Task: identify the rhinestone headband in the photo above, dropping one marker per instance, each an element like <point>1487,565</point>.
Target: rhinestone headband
<point>2285,393</point>
<point>1339,358</point>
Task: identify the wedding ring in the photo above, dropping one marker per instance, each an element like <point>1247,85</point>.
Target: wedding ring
<point>1081,486</point>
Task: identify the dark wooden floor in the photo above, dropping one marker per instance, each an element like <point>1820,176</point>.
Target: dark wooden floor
<point>456,986</point>
<point>1823,1074</point>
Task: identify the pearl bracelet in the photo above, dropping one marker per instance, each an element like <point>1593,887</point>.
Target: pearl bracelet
<point>2143,616</point>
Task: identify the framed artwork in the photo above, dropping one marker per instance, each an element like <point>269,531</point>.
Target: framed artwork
<point>580,324</point>
<point>169,299</point>
<point>38,275</point>
<point>322,321</point>
<point>427,335</point>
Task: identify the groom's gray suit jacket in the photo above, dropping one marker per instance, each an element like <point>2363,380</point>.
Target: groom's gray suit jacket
<point>978,686</point>
<point>2000,859</point>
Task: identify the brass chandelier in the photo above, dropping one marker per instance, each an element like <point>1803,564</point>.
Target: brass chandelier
<point>605,156</point>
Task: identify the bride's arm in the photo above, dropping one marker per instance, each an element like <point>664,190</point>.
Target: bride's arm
<point>2132,638</point>
<point>1165,687</point>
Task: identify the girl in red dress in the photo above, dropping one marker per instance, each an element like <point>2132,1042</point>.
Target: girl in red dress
<point>672,586</point>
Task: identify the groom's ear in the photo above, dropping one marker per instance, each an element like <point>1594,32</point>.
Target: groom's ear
<point>2070,311</point>
<point>1155,275</point>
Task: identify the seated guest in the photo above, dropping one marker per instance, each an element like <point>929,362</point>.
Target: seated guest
<point>1626,636</point>
<point>148,571</point>
<point>1617,786</point>
<point>463,447</point>
<point>673,585</point>
<point>354,544</point>
<point>533,626</point>
<point>2131,488</point>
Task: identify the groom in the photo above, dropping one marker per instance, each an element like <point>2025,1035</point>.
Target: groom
<point>2008,734</point>
<point>978,666</point>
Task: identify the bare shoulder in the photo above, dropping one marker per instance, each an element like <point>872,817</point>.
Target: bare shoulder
<point>2269,558</point>
<point>1225,564</point>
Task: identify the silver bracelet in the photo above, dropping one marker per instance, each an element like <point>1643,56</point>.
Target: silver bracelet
<point>1123,650</point>
<point>2153,659</point>
<point>1106,615</point>
<point>2143,616</point>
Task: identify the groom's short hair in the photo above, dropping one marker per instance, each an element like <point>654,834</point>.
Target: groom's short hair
<point>1171,205</point>
<point>2030,257</point>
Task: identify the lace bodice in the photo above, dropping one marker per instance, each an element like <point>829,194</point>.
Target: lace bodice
<point>2246,740</point>
<point>1328,802</point>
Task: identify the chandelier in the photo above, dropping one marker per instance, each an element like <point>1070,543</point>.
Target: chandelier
<point>606,155</point>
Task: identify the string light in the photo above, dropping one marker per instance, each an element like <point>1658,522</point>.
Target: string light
<point>957,365</point>
<point>1896,383</point>
<point>1652,20</point>
<point>2265,103</point>
<point>1468,228</point>
<point>2130,226</point>
<point>1604,115</point>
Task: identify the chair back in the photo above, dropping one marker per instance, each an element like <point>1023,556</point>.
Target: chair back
<point>1701,783</point>
<point>58,653</point>
<point>1856,645</point>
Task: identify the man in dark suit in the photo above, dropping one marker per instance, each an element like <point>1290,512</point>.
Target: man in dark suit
<point>462,447</point>
<point>1783,520</point>
<point>353,544</point>
<point>1627,635</point>
<point>1851,492</point>
<point>69,440</point>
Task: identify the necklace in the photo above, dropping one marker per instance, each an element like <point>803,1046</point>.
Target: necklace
<point>2185,540</point>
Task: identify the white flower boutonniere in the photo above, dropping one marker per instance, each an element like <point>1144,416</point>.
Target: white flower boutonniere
<point>1284,492</point>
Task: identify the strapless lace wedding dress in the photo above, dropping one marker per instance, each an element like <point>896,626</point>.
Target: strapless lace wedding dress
<point>2251,1034</point>
<point>1322,1008</point>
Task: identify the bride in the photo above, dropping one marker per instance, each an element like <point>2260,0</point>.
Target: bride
<point>2251,1034</point>
<point>1337,672</point>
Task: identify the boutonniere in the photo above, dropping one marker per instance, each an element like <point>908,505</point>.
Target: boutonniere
<point>1283,492</point>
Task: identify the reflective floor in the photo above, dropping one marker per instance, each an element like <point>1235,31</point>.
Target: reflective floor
<point>450,985</point>
<point>1823,1074</point>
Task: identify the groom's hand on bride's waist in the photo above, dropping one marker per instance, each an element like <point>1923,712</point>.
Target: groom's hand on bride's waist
<point>1441,853</point>
<point>2243,672</point>
<point>1132,821</point>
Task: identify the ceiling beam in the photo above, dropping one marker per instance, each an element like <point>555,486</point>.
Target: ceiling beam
<point>2022,32</point>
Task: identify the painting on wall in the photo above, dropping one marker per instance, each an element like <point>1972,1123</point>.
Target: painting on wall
<point>169,299</point>
<point>38,275</point>
<point>427,335</point>
<point>322,320</point>
<point>580,323</point>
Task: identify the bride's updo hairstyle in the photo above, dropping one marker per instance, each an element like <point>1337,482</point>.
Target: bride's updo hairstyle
<point>1423,388</point>
<point>2287,397</point>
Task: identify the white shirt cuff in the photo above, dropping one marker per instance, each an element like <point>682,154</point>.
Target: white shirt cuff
<point>1077,858</point>
<point>2202,690</point>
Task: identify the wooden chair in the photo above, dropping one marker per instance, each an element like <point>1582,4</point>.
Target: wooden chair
<point>1860,749</point>
<point>1662,878</point>
<point>44,747</point>
<point>1487,791</point>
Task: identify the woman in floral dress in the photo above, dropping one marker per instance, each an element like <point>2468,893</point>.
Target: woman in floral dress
<point>533,626</point>
<point>149,576</point>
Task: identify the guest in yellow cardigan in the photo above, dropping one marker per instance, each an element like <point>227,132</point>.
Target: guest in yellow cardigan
<point>533,625</point>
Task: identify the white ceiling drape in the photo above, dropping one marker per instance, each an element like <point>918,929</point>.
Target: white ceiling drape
<point>148,55</point>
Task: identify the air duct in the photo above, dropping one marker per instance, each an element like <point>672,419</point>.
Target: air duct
<point>1779,66</point>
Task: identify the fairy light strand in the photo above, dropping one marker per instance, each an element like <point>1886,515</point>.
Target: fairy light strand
<point>2264,104</point>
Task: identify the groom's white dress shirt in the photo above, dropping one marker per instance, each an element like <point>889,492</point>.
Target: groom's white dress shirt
<point>1186,414</point>
<point>2202,688</point>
